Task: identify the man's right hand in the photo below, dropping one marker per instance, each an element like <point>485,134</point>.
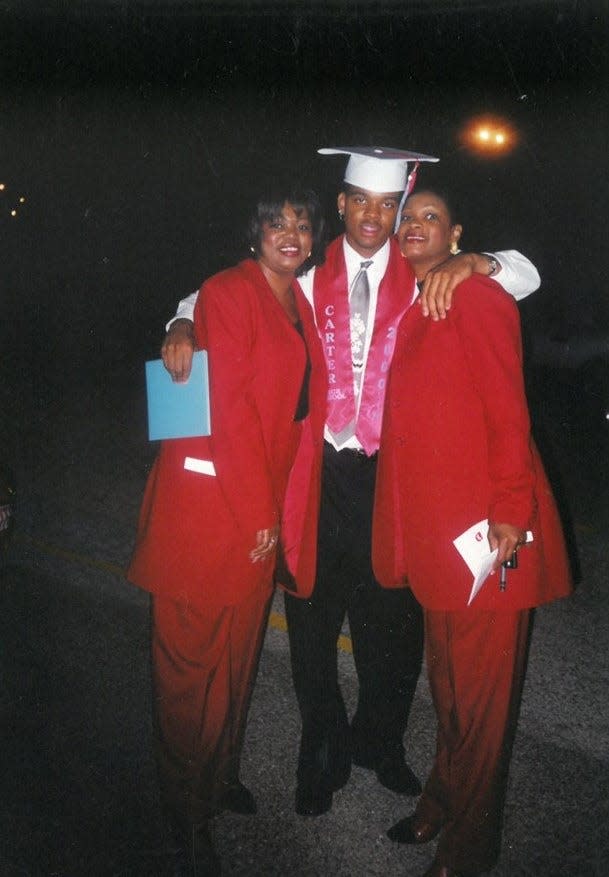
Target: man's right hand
<point>178,348</point>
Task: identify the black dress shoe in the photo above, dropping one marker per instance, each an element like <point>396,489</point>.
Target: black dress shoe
<point>413,830</point>
<point>312,799</point>
<point>391,770</point>
<point>394,774</point>
<point>239,799</point>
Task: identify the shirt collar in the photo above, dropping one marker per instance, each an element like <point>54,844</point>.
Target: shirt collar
<point>353,260</point>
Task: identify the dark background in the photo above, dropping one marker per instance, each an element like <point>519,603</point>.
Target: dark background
<point>138,132</point>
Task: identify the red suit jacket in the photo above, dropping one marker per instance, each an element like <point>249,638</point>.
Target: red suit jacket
<point>196,530</point>
<point>455,449</point>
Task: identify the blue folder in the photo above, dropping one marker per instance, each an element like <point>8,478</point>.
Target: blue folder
<point>178,410</point>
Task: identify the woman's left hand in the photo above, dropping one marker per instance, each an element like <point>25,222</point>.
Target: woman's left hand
<point>506,539</point>
<point>266,543</point>
<point>440,282</point>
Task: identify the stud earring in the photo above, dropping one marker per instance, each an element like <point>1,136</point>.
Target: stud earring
<point>252,250</point>
<point>341,215</point>
<point>454,248</point>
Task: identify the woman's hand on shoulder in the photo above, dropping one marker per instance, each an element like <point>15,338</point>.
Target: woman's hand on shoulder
<point>440,283</point>
<point>266,543</point>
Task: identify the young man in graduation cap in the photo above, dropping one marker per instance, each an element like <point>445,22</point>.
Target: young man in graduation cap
<point>359,295</point>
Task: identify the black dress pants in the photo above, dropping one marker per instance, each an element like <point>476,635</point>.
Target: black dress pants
<point>386,631</point>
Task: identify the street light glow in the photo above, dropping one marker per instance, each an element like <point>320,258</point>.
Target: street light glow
<point>489,136</point>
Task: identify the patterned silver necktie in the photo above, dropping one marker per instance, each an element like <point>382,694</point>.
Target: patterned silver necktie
<point>359,305</point>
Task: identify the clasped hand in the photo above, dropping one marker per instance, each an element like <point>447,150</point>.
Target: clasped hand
<point>177,350</point>
<point>506,539</point>
<point>266,543</point>
<point>440,283</point>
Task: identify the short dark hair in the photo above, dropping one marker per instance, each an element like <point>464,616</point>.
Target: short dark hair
<point>269,207</point>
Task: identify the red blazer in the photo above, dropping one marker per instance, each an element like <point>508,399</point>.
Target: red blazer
<point>456,448</point>
<point>196,530</point>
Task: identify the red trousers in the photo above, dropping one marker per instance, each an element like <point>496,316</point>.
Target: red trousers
<point>205,661</point>
<point>476,662</point>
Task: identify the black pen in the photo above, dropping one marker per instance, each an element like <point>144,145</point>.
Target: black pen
<point>512,563</point>
<point>503,577</point>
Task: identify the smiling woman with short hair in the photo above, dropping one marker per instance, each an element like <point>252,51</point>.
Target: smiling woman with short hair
<point>456,449</point>
<point>210,526</point>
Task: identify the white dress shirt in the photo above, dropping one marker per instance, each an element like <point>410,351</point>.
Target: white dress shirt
<point>518,276</point>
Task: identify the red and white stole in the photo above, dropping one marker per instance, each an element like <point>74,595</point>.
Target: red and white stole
<point>331,305</point>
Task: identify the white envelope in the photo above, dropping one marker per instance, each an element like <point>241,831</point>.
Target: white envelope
<point>473,547</point>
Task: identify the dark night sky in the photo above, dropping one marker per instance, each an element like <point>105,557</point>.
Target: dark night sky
<point>136,131</point>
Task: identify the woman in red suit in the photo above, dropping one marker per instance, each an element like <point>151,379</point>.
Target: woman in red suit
<point>211,521</point>
<point>456,449</point>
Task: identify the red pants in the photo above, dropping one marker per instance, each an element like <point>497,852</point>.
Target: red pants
<point>205,661</point>
<point>476,663</point>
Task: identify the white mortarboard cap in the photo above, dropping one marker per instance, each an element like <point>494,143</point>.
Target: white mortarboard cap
<point>377,168</point>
